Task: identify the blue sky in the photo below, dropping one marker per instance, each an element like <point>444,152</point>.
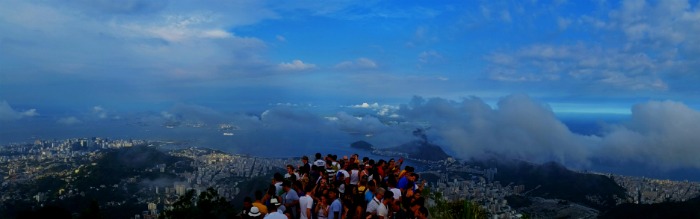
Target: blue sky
<point>273,65</point>
<point>585,54</point>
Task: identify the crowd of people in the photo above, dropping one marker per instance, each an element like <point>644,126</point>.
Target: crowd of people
<point>332,188</point>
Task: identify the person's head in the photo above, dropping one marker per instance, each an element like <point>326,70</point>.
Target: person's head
<point>392,182</point>
<point>422,212</point>
<point>290,169</point>
<point>274,204</point>
<point>247,203</point>
<point>309,190</point>
<point>380,193</point>
<point>409,169</point>
<point>389,196</point>
<point>414,207</point>
<point>365,160</point>
<point>332,194</point>
<point>286,186</point>
<point>318,156</point>
<point>412,177</point>
<point>305,159</point>
<point>323,183</point>
<point>258,195</point>
<point>324,200</point>
<point>371,184</point>
<point>416,194</point>
<point>254,212</point>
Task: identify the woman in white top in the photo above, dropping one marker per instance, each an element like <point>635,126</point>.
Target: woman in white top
<point>354,174</point>
<point>322,208</point>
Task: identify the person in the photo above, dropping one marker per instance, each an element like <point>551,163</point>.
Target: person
<point>277,181</point>
<point>247,205</point>
<point>319,162</point>
<point>254,213</point>
<point>304,171</point>
<point>392,187</point>
<point>407,182</point>
<point>397,212</point>
<point>291,199</point>
<point>383,209</point>
<point>259,203</point>
<point>376,201</point>
<point>322,208</point>
<point>417,198</point>
<point>291,175</point>
<point>336,207</point>
<point>422,213</point>
<point>413,210</point>
<point>306,203</point>
<point>274,213</point>
<point>369,193</point>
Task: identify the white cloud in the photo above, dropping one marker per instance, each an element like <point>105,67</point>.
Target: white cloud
<point>99,111</point>
<point>71,120</point>
<point>382,110</point>
<point>366,105</point>
<point>8,114</point>
<point>608,67</point>
<point>360,63</point>
<point>281,38</point>
<point>430,56</point>
<point>660,134</point>
<point>296,65</point>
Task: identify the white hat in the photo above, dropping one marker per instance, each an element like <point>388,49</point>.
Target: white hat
<point>254,212</point>
<point>275,202</point>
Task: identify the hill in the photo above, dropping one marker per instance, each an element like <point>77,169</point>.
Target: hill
<point>420,150</point>
<point>687,209</point>
<point>552,180</point>
<point>363,145</point>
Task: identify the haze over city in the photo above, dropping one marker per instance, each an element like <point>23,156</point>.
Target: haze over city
<point>589,84</point>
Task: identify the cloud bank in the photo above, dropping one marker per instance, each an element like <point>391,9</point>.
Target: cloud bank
<point>9,114</point>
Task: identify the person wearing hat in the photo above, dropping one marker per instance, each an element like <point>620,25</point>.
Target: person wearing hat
<point>274,205</point>
<point>254,213</point>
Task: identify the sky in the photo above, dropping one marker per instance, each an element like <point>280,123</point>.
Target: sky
<point>493,76</point>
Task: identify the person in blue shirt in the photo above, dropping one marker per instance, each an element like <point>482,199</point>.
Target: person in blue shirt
<point>336,210</point>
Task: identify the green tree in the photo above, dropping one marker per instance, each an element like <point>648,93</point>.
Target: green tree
<point>444,209</point>
<point>207,205</point>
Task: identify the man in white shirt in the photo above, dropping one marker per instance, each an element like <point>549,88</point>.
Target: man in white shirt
<point>374,203</point>
<point>319,162</point>
<point>306,202</point>
<point>383,209</point>
<point>393,189</point>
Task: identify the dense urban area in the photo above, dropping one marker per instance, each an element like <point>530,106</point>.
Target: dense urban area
<point>50,171</point>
